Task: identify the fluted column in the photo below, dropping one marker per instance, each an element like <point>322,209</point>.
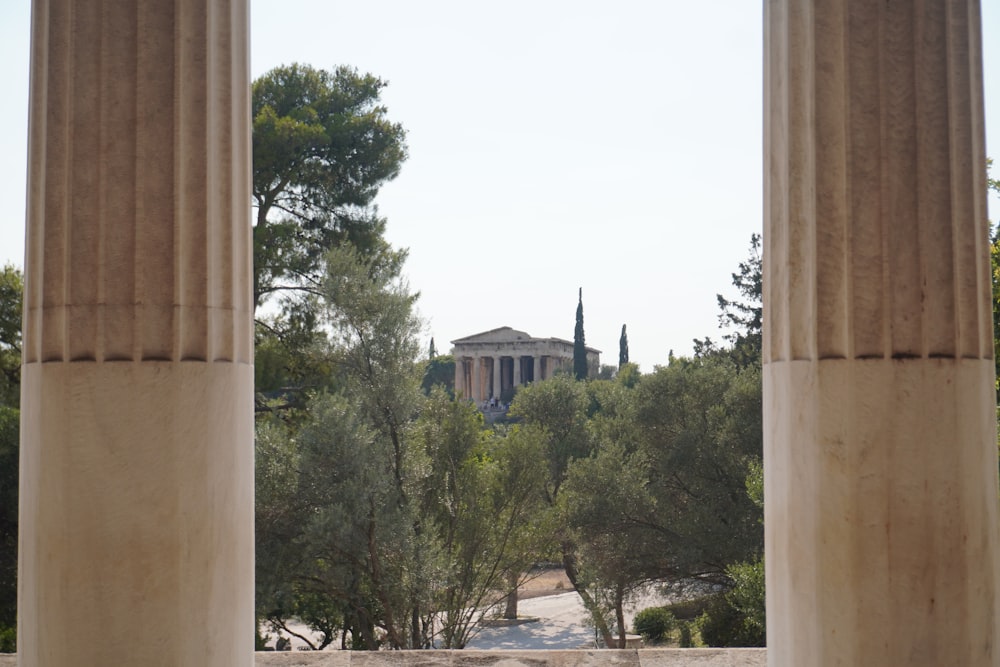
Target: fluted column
<point>537,374</point>
<point>517,369</point>
<point>880,423</point>
<point>477,383</point>
<point>136,492</point>
<point>460,377</point>
<point>497,376</point>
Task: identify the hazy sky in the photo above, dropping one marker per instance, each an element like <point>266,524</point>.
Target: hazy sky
<point>554,144</point>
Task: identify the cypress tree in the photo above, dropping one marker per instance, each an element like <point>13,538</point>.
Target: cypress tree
<point>432,352</point>
<point>579,345</point>
<point>623,349</point>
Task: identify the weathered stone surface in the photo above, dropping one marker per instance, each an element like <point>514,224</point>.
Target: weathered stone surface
<point>136,496</point>
<point>879,407</point>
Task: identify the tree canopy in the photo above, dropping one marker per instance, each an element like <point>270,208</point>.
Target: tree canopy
<point>322,148</point>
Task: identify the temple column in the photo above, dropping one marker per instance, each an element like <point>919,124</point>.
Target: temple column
<point>879,410</point>
<point>496,377</point>
<point>477,384</point>
<point>136,488</point>
<point>537,375</point>
<point>460,376</point>
<point>517,370</point>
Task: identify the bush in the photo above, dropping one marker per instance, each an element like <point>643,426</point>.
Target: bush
<point>723,624</point>
<point>737,617</point>
<point>654,624</point>
<point>689,610</point>
<point>8,639</point>
<point>686,639</point>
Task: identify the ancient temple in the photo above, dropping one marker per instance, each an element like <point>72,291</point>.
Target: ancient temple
<point>492,363</point>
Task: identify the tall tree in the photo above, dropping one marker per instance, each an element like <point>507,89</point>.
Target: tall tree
<point>481,501</point>
<point>746,315</point>
<point>559,406</point>
<point>580,367</point>
<point>322,147</point>
<point>622,349</point>
<point>365,556</point>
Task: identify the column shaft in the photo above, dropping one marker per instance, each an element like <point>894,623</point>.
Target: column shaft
<point>477,383</point>
<point>880,424</point>
<point>497,374</point>
<point>137,434</point>
<point>517,370</point>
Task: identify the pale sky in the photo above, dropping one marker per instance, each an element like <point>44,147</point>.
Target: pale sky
<point>554,144</point>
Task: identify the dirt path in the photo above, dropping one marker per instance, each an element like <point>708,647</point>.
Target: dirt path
<point>544,581</point>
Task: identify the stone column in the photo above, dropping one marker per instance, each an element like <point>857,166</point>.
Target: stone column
<point>136,491</point>
<point>517,370</point>
<point>496,377</point>
<point>460,376</point>
<point>477,384</point>
<point>537,375</point>
<point>879,411</point>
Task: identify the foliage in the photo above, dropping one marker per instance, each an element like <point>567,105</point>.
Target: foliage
<point>559,406</point>
<point>614,555</point>
<point>606,372</point>
<point>394,518</point>
<point>720,624</point>
<point>11,300</point>
<point>747,597</point>
<point>482,500</point>
<point>628,375</point>
<point>9,431</point>
<point>699,426</point>
<point>654,624</point>
<point>338,530</point>
<point>277,516</point>
<point>746,315</point>
<point>322,147</point>
<point>439,371</point>
<point>580,367</point>
<point>994,185</point>
<point>623,348</point>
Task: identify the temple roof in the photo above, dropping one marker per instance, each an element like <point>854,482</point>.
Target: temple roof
<point>511,335</point>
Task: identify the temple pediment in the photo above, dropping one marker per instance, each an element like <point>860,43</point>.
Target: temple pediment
<point>500,335</point>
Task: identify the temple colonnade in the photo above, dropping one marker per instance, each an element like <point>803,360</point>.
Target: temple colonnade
<point>493,363</point>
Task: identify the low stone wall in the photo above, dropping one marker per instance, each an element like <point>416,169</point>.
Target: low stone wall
<point>678,657</point>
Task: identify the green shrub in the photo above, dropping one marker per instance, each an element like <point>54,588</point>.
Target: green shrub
<point>686,639</point>
<point>688,610</point>
<point>654,624</point>
<point>723,624</point>
<point>8,639</point>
